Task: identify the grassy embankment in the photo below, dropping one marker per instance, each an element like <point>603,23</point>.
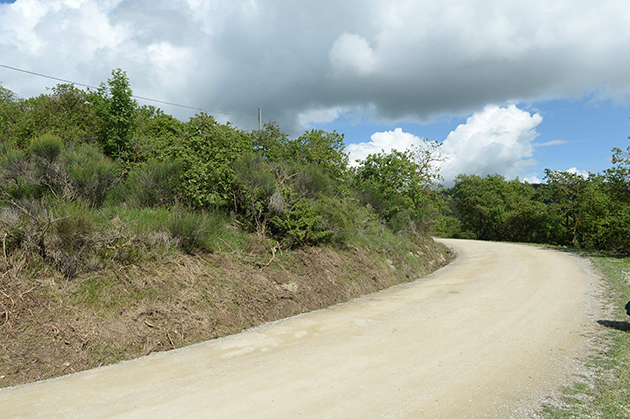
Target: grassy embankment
<point>135,290</point>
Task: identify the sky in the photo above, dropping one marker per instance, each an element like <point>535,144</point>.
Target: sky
<point>508,87</point>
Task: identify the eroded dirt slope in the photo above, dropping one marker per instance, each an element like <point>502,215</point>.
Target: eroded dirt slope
<point>50,326</point>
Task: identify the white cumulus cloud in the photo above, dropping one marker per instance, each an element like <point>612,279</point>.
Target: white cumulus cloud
<point>576,171</point>
<point>382,142</point>
<point>495,140</point>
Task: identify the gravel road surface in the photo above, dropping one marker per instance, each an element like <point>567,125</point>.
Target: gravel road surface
<point>491,335</point>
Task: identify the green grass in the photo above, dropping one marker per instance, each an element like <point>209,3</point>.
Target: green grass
<point>606,394</point>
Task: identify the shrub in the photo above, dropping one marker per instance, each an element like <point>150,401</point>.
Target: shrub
<point>317,221</point>
<point>312,181</point>
<point>74,235</point>
<point>17,176</point>
<point>46,147</point>
<point>255,186</point>
<point>152,185</point>
<point>25,223</point>
<point>49,170</point>
<point>91,173</point>
<point>208,151</point>
<point>194,231</point>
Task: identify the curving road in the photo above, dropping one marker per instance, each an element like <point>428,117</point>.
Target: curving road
<point>490,335</point>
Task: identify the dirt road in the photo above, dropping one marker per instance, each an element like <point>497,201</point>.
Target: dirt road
<point>490,335</point>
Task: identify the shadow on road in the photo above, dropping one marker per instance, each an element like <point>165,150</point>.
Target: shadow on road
<point>613,324</point>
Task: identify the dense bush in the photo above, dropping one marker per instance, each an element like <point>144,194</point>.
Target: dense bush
<point>154,184</point>
<point>208,152</point>
<point>401,188</point>
<point>91,174</point>
<point>313,222</point>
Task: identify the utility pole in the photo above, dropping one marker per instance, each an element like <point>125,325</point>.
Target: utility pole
<point>259,119</point>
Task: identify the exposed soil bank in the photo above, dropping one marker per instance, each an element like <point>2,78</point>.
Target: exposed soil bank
<point>50,326</point>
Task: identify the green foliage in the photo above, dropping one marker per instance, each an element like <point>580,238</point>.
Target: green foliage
<point>270,142</point>
<point>74,207</point>
<point>208,152</point>
<point>297,203</point>
<point>325,150</point>
<point>450,227</point>
<point>320,148</point>
<point>65,112</point>
<point>17,175</point>
<point>73,236</point>
<point>6,95</point>
<point>311,181</point>
<point>153,184</point>
<point>568,209</point>
<point>618,176</point>
<point>195,231</point>
<point>47,147</point>
<point>483,204</point>
<point>9,112</point>
<point>25,223</point>
<point>399,188</point>
<point>530,221</point>
<point>495,209</point>
<point>301,224</point>
<point>256,192</point>
<point>155,133</point>
<point>586,208</point>
<point>115,109</point>
<point>69,114</point>
<point>316,221</point>
<point>49,169</point>
<point>90,173</point>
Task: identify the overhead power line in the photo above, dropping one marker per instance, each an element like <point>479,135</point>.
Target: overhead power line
<point>134,96</point>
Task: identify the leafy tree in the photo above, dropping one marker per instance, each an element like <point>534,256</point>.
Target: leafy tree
<point>155,132</point>
<point>270,142</point>
<point>618,176</point>
<point>8,112</point>
<point>483,204</point>
<point>208,151</point>
<point>116,109</point>
<point>70,114</point>
<point>528,218</point>
<point>401,187</point>
<point>320,148</point>
<point>567,194</point>
<point>64,112</point>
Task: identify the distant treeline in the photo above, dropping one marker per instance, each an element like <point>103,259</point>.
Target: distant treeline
<point>567,209</point>
<point>76,164</point>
